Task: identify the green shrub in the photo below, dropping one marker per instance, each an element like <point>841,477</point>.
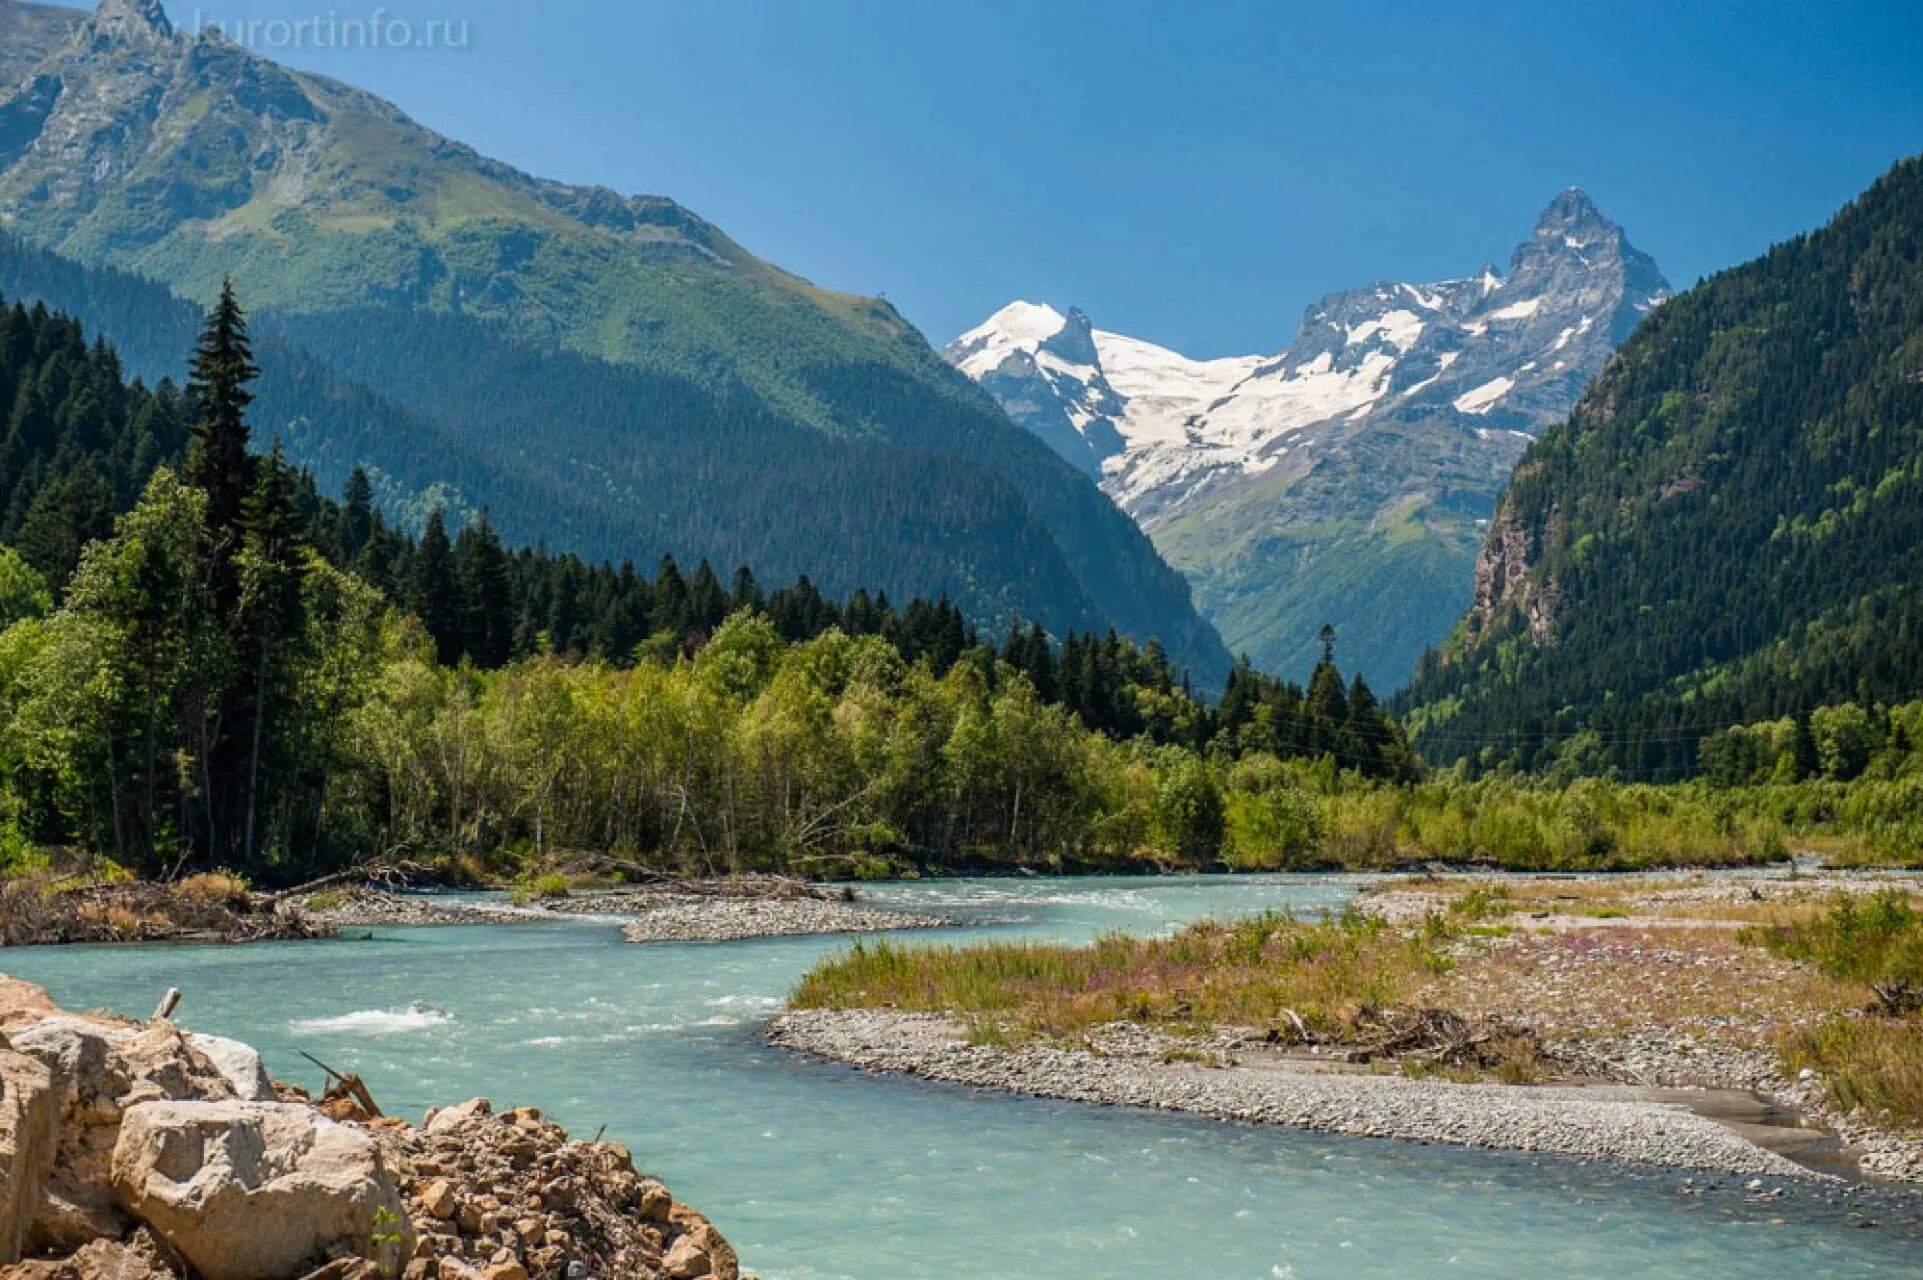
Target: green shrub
<point>542,888</point>
<point>1877,941</point>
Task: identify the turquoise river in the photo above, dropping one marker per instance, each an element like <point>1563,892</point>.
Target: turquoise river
<point>817,1171</point>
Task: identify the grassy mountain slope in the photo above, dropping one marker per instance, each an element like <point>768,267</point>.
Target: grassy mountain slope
<point>887,516</point>
<point>1728,527</point>
<point>711,375</point>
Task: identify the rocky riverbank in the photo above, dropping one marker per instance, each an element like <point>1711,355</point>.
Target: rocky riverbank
<point>1127,1067</point>
<point>134,1151</point>
<point>721,909</point>
<point>46,911</point>
<point>361,907</point>
<point>699,918</point>
<point>1658,1020</point>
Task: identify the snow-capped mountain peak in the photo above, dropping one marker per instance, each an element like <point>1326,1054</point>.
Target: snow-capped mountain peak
<point>1493,353</point>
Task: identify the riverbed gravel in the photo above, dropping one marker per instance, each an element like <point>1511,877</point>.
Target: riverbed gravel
<point>1573,1121</point>
<point>702,918</point>
<point>651,914</point>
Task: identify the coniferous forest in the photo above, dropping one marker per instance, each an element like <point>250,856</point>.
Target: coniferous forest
<point>208,663</point>
<point>1728,530</point>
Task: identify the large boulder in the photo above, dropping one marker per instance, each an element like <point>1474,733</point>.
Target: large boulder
<point>29,1135</point>
<point>256,1190</point>
<point>102,1067</point>
<point>239,1064</point>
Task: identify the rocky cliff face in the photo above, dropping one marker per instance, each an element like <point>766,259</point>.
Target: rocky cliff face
<point>1506,578</point>
<point>1372,448</point>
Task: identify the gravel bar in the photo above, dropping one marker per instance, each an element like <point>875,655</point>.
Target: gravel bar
<point>702,918</point>
<point>1569,1121</point>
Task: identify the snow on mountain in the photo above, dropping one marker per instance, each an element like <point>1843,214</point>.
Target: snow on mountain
<point>1495,352</point>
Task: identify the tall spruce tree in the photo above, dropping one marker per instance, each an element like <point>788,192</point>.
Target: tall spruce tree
<point>269,627</point>
<point>218,462</point>
<point>434,590</point>
<point>487,590</point>
<point>357,514</point>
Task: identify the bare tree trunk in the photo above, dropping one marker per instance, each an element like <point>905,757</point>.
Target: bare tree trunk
<point>253,753</point>
<point>153,718</point>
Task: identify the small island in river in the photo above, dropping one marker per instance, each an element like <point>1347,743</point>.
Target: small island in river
<point>1731,1023</point>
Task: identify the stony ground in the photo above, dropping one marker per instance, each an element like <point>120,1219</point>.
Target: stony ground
<point>719,910</point>
<point>1645,981</point>
<point>1149,1073</point>
<point>669,918</point>
<point>362,908</point>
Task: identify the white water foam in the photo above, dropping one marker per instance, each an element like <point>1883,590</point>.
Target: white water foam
<point>378,1022</point>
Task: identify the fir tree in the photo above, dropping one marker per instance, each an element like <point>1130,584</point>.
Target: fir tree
<point>1804,758</point>
<point>487,591</point>
<point>357,515</point>
<point>434,592</point>
<point>222,368</point>
<point>268,628</point>
<point>746,592</point>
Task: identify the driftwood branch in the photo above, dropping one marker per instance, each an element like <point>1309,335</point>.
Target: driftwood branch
<point>346,1085</point>
<point>383,872</point>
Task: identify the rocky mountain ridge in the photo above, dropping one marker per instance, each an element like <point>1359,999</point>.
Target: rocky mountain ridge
<point>1395,402</point>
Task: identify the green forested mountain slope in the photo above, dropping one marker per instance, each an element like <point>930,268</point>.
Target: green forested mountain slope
<point>1728,528</point>
<point>881,515</point>
<point>718,406</point>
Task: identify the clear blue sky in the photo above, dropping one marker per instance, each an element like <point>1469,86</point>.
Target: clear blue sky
<point>1192,174</point>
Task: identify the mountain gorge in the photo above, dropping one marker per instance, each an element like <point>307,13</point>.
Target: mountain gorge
<point>1347,478</point>
<point>1727,529</point>
<point>611,374</point>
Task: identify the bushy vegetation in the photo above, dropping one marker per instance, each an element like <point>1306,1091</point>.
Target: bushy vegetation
<point>1872,1064</point>
<point>237,672</point>
<point>1877,941</point>
<point>1530,825</point>
<point>241,673</point>
<point>1873,1061</point>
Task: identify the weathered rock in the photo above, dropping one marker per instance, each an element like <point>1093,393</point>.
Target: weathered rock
<point>251,1190</point>
<point>238,1064</point>
<point>722,1263</point>
<point>446,1118</point>
<point>654,1202</point>
<point>23,1001</point>
<point>29,1136</point>
<point>686,1260</point>
<point>139,1257</point>
<point>102,1067</point>
<point>437,1197</point>
<point>347,1269</point>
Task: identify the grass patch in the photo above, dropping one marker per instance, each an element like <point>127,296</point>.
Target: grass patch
<point>1875,940</point>
<point>1299,978</point>
<point>1872,1064</point>
<point>213,886</point>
